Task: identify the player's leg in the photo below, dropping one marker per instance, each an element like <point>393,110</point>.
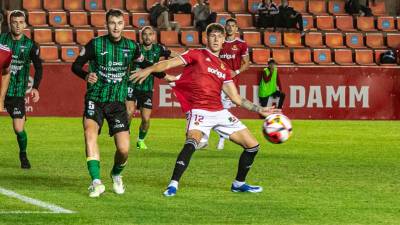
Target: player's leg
<point>227,104</point>
<point>130,109</point>
<point>144,127</point>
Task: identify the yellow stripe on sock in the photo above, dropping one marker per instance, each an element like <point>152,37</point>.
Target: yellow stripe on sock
<point>91,158</point>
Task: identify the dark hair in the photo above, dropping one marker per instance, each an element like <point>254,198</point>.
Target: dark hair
<point>231,20</point>
<point>114,12</point>
<point>17,13</point>
<point>215,27</point>
<point>271,60</point>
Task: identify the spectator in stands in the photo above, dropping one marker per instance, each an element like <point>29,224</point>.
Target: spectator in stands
<point>202,15</point>
<point>176,6</point>
<point>355,7</point>
<point>290,18</point>
<point>268,14</point>
<point>159,16</point>
<point>270,86</point>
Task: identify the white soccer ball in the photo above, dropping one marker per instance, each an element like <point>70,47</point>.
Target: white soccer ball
<point>277,128</point>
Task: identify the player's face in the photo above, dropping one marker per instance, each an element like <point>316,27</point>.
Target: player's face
<point>215,40</point>
<point>148,37</point>
<point>115,26</point>
<point>17,25</point>
<point>231,28</point>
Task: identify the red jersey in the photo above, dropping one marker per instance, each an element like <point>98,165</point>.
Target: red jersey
<point>5,57</point>
<point>232,53</point>
<point>201,82</point>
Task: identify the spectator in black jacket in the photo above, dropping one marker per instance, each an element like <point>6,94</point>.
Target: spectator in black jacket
<point>159,16</point>
<point>202,15</point>
<point>176,6</point>
<point>268,14</point>
<point>354,7</point>
<point>290,18</point>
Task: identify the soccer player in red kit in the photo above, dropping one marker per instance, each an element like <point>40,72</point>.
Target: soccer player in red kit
<point>199,92</point>
<point>235,54</point>
<point>5,61</point>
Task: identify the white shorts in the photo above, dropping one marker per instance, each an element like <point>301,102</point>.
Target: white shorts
<point>226,101</point>
<point>222,122</point>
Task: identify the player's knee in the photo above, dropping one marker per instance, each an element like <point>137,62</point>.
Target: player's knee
<point>250,143</point>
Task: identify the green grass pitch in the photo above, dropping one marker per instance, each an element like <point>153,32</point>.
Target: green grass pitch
<point>329,172</point>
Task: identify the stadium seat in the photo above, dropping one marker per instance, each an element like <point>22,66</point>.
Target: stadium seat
<point>374,40</point>
<point>131,34</point>
<point>43,36</point>
<point>379,8</point>
<point>235,6</point>
<point>140,19</point>
<point>364,57</point>
<point>252,38</point>
<point>366,23</point>
<point>298,5</point>
<point>292,40</point>
<point>334,40</point>
<point>393,40</point>
<point>322,56</point>
<point>190,38</point>
<point>336,7</point>
<point>260,55</point>
<point>217,5</point>
<point>37,19</point>
<point>314,40</point>
<point>343,57</point>
<point>169,38</point>
<point>281,55</point>
<point>325,23</point>
<point>98,19</point>
<point>49,53</point>
<point>308,22</point>
<point>317,7</point>
<point>53,5</point>
<point>101,32</point>
<point>64,36</point>
<point>355,40</point>
<point>69,53</point>
<point>345,23</point>
<point>244,21</point>
<point>302,56</point>
<point>58,19</point>
<point>115,4</point>
<point>222,17</point>
<point>272,39</point>
<point>398,22</point>
<point>30,5</point>
<point>27,32</point>
<point>78,19</point>
<point>94,5</point>
<point>73,5</point>
<point>83,36</point>
<point>127,20</point>
<point>386,23</point>
<point>184,20</point>
<point>135,6</point>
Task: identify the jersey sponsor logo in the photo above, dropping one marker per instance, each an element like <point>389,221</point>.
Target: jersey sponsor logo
<point>223,67</point>
<point>16,111</point>
<point>103,53</point>
<point>227,56</point>
<point>216,72</point>
<point>118,124</point>
<point>111,63</point>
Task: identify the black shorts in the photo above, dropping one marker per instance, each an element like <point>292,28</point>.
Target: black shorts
<point>114,112</point>
<point>15,106</point>
<point>143,99</point>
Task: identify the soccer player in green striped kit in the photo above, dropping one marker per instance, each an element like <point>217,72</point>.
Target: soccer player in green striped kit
<point>109,59</point>
<point>141,95</point>
<point>24,51</point>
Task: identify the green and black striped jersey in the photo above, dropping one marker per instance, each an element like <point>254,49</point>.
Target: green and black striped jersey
<point>110,61</point>
<point>152,55</point>
<point>24,51</point>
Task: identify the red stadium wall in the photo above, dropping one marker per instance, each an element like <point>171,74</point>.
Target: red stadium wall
<point>311,93</point>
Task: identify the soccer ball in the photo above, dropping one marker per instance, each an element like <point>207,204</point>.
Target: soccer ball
<point>277,128</point>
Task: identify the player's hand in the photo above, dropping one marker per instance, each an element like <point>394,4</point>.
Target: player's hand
<point>35,95</point>
<point>91,78</point>
<point>233,74</point>
<point>266,111</point>
<point>139,76</point>
<point>170,78</point>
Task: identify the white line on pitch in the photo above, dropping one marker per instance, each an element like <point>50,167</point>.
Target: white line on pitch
<point>53,208</point>
<point>26,212</point>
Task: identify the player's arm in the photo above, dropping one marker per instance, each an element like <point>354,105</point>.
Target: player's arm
<point>5,80</point>
<point>141,75</point>
<point>230,89</point>
<point>37,78</point>
<point>245,63</point>
<point>87,53</point>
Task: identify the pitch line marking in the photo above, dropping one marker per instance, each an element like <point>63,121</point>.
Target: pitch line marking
<point>53,208</point>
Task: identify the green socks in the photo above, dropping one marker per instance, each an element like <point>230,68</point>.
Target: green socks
<point>22,139</point>
<point>142,134</point>
<point>117,169</point>
<point>94,168</point>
